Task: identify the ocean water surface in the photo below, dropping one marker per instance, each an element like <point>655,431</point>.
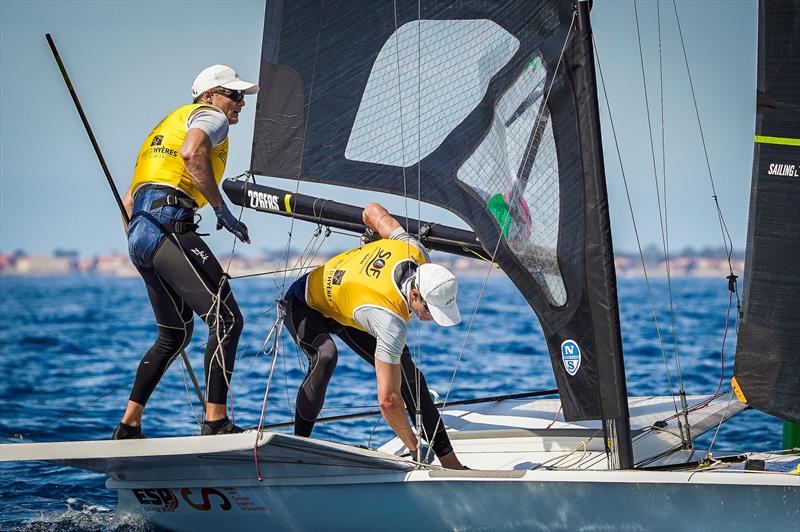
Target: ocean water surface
<point>70,347</point>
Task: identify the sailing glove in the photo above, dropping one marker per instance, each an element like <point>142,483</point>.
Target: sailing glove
<point>226,219</point>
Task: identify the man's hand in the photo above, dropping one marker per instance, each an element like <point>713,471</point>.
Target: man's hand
<point>226,219</point>
<point>389,377</point>
<point>378,219</point>
<point>369,236</point>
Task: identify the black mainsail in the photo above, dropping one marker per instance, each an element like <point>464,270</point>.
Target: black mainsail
<point>767,370</point>
<point>487,109</point>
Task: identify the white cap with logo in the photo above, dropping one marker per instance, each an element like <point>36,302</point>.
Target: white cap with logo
<point>221,76</point>
<point>438,288</point>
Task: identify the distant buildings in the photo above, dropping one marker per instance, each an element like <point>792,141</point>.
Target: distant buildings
<point>631,266</point>
<point>708,263</point>
<point>65,264</point>
<point>37,265</point>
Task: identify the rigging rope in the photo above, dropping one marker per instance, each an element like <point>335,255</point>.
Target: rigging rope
<point>721,420</point>
<point>298,178</point>
<point>665,234</point>
<point>70,413</point>
<point>726,237</point>
<point>418,417</point>
<point>664,242</point>
<point>497,246</point>
<point>197,420</point>
<point>633,219</point>
<point>269,272</point>
<point>665,227</point>
<point>662,215</point>
<point>302,261</point>
<point>414,351</point>
<point>276,331</point>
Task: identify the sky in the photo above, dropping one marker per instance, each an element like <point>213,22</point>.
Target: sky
<point>133,62</point>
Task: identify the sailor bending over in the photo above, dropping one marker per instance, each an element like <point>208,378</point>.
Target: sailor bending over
<point>177,171</point>
<point>366,296</point>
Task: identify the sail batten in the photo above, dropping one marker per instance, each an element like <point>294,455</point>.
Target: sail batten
<point>477,107</point>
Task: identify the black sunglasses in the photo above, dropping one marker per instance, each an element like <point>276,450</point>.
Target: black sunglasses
<point>421,299</point>
<point>236,96</point>
<point>425,304</point>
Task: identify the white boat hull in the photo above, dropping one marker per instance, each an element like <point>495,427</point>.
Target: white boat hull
<point>424,500</point>
<point>531,471</point>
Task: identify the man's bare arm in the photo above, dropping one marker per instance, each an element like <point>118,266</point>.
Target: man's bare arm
<point>194,151</point>
<point>127,202</point>
<point>379,220</point>
<point>389,379</point>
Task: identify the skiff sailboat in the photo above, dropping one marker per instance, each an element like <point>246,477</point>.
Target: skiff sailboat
<point>490,110</point>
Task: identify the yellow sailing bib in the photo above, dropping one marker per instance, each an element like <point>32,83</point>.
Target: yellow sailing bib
<point>368,275</point>
<point>159,160</point>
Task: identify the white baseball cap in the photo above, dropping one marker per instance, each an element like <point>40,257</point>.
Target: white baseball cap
<point>221,76</point>
<point>438,289</point>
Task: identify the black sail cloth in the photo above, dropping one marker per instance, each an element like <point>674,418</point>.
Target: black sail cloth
<point>444,101</point>
<point>767,369</point>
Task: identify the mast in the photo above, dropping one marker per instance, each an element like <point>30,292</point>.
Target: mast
<point>611,369</point>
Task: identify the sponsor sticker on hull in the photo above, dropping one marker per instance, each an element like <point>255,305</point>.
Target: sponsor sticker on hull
<point>195,499</point>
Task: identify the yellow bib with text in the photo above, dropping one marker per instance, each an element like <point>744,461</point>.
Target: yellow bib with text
<point>362,276</point>
<point>159,159</point>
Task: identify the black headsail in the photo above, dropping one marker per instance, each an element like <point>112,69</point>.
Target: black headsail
<point>491,107</point>
<point>767,370</point>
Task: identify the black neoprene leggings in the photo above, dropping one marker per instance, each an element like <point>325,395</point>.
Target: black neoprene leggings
<point>312,332</point>
<point>185,279</point>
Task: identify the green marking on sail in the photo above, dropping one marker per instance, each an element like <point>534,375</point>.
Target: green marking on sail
<point>499,208</point>
<point>777,140</point>
<point>533,62</point>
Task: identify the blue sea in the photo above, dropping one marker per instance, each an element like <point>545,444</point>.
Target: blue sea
<point>70,342</point>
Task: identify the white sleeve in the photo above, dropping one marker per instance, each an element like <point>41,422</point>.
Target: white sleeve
<point>212,122</point>
<point>400,234</point>
<point>388,329</point>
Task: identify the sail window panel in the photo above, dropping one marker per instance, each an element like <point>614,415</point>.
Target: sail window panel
<point>515,171</point>
<point>427,78</point>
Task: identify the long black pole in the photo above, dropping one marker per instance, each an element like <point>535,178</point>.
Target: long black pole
<point>86,125</point>
<point>347,217</point>
<point>111,183</point>
<point>507,397</point>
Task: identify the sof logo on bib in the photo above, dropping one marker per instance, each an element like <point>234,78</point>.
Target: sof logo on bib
<point>571,356</point>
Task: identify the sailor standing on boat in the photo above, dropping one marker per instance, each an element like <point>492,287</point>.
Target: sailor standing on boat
<point>366,296</point>
<point>178,171</point>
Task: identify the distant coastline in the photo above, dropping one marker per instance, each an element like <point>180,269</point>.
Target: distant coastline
<point>710,262</point>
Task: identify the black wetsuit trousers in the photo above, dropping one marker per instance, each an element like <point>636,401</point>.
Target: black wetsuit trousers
<point>186,278</point>
<point>312,332</point>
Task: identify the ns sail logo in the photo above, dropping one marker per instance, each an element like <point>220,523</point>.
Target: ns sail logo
<point>571,356</point>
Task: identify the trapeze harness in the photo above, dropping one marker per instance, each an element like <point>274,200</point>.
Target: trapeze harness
<point>180,272</point>
<point>324,302</point>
